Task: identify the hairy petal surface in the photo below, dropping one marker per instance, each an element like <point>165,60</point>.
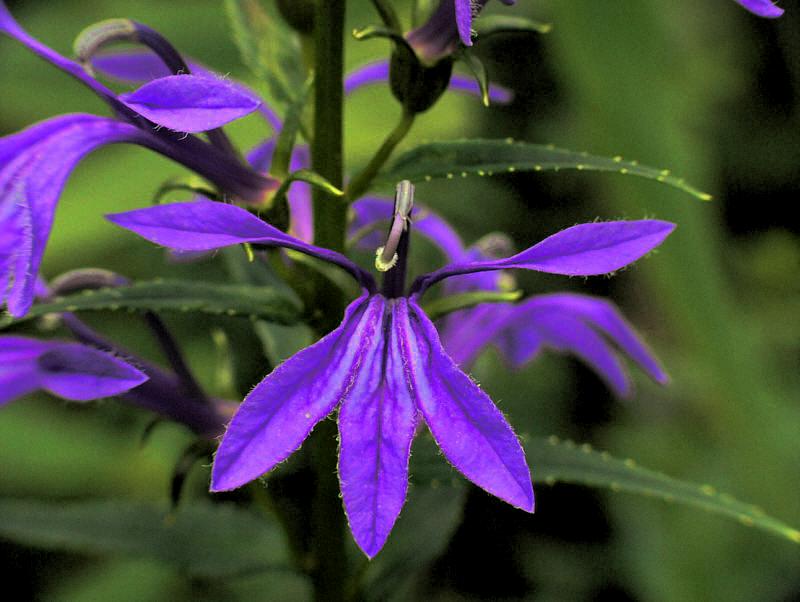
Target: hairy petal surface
<point>34,166</point>
<point>377,421</point>
<point>582,250</point>
<point>69,370</point>
<point>206,225</point>
<point>470,430</point>
<point>277,416</point>
<point>762,8</point>
<point>191,103</point>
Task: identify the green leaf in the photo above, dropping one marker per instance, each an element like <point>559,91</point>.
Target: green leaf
<point>176,295</point>
<point>309,177</point>
<point>201,539</point>
<point>492,24</point>
<point>554,461</point>
<point>463,158</point>
<point>268,48</point>
<point>445,305</point>
<point>292,123</point>
<point>479,72</point>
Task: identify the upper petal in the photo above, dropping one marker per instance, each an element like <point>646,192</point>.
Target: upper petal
<point>34,166</point>
<point>277,416</point>
<point>377,421</point>
<point>206,225</point>
<point>582,250</point>
<point>191,103</point>
<point>470,430</point>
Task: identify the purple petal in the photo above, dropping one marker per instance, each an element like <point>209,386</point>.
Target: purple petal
<point>604,315</point>
<point>377,422</point>
<point>34,166</point>
<point>366,75</point>
<point>81,373</point>
<point>762,8</point>
<point>463,16</point>
<point>12,29</point>
<point>465,334</point>
<point>277,416</point>
<point>191,103</point>
<point>301,210</point>
<point>18,371</point>
<point>138,66</point>
<point>583,250</point>
<point>567,333</point>
<point>206,225</point>
<point>471,432</point>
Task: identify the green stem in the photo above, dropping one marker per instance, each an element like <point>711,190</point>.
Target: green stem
<point>361,182</point>
<point>329,563</point>
<point>330,213</point>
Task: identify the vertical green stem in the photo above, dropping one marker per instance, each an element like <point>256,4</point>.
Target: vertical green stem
<point>330,213</point>
<point>329,572</point>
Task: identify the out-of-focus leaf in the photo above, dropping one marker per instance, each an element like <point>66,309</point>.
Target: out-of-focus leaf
<point>176,295</point>
<point>554,461</point>
<point>292,123</point>
<point>491,24</point>
<point>268,48</point>
<point>201,539</point>
<point>463,158</point>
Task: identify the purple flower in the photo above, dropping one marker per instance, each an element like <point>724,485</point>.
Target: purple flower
<point>591,328</point>
<point>384,367</point>
<point>762,8</point>
<point>449,24</point>
<point>35,163</point>
<point>68,370</point>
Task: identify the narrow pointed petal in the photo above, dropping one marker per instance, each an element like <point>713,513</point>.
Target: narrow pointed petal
<point>277,416</point>
<point>465,334</point>
<point>376,425</point>
<point>605,316</point>
<point>206,225</point>
<point>138,66</point>
<point>762,8</point>
<point>18,371</point>
<point>191,103</point>
<point>583,250</point>
<point>564,332</point>
<point>34,166</point>
<point>463,16</point>
<point>470,430</point>
<point>80,373</point>
<point>11,28</point>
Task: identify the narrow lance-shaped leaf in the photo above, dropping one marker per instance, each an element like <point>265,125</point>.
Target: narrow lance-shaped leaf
<point>554,461</point>
<point>463,158</point>
<point>200,539</point>
<point>268,48</point>
<point>176,295</point>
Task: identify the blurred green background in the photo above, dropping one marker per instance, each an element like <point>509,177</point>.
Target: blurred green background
<point>702,88</point>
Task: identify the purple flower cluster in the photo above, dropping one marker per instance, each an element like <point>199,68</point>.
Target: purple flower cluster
<point>387,368</point>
